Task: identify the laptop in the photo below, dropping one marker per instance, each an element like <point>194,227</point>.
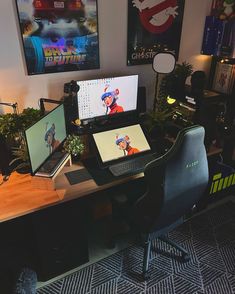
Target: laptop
<point>123,150</point>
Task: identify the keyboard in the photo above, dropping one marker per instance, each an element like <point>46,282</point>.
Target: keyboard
<point>132,166</point>
<point>52,164</point>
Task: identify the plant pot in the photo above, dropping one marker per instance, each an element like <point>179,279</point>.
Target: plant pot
<point>76,158</point>
<point>157,132</point>
<point>176,87</point>
<point>24,170</point>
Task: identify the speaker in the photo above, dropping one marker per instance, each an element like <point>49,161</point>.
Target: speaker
<point>141,100</point>
<point>4,156</point>
<point>71,112</point>
<point>198,82</point>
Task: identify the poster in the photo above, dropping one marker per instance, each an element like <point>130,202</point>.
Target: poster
<point>153,26</point>
<point>223,9</point>
<point>59,35</point>
<point>224,78</point>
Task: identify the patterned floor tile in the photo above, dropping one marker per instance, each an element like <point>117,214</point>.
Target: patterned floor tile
<point>220,286</point>
<point>101,275</point>
<point>210,240</point>
<point>165,286</point>
<point>106,288</point>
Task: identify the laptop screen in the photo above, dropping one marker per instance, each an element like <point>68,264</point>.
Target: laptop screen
<point>45,137</point>
<point>121,143</point>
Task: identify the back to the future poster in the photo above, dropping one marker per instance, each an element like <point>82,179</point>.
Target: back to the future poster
<point>60,35</point>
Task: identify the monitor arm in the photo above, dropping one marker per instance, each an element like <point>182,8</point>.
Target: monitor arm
<point>43,100</point>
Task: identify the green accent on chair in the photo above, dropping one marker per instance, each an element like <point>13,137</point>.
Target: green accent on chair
<point>233,180</point>
<point>217,176</point>
<point>225,183</point>
<point>212,186</point>
<point>215,186</point>
<point>219,183</point>
<point>230,180</point>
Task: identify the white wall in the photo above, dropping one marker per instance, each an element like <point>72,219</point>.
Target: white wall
<point>17,86</point>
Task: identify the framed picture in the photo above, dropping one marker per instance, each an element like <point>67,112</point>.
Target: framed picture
<point>224,10</point>
<point>153,26</point>
<point>59,35</point>
<point>224,78</point>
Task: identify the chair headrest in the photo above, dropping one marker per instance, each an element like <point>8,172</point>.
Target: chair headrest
<point>188,143</point>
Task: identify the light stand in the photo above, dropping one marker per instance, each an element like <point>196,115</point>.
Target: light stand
<point>163,63</point>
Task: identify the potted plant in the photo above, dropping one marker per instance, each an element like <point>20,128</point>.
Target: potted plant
<point>74,146</point>
<point>12,125</point>
<point>12,128</point>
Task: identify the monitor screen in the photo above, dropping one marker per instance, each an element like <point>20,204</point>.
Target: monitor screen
<point>107,96</point>
<point>121,142</point>
<point>45,136</point>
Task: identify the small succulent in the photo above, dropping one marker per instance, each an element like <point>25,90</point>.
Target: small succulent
<point>74,145</point>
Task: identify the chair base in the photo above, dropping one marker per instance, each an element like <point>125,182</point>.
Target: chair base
<point>185,257</point>
<point>184,253</point>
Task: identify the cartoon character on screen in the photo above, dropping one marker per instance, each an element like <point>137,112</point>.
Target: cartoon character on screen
<point>123,143</point>
<point>110,101</point>
<point>50,139</point>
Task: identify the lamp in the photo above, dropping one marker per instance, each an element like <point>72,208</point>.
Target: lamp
<point>47,100</point>
<point>13,105</point>
<point>163,63</point>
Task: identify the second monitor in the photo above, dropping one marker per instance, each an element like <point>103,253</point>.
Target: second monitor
<point>108,96</point>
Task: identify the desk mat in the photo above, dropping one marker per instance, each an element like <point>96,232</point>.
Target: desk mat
<point>78,176</point>
<point>100,176</point>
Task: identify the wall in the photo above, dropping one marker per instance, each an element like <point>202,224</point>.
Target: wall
<point>17,86</point>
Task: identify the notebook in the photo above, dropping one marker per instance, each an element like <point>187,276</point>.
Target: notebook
<point>123,150</point>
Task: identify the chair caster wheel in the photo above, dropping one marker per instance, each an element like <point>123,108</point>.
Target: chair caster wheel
<point>146,276</point>
<point>185,257</point>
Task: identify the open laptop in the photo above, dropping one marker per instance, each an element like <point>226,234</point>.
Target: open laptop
<point>44,140</point>
<point>124,150</point>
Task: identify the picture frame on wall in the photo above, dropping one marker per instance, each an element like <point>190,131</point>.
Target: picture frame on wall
<point>153,26</point>
<point>224,78</point>
<point>59,35</point>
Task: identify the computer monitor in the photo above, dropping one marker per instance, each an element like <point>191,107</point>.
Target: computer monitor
<point>119,143</point>
<point>107,96</point>
<point>45,136</point>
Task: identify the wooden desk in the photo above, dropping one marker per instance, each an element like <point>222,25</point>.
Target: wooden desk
<point>18,197</point>
<point>44,229</point>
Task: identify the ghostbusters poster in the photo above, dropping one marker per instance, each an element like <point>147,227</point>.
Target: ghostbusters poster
<point>59,35</point>
<point>153,26</point>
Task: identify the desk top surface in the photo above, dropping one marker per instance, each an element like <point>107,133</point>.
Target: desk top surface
<point>18,196</point>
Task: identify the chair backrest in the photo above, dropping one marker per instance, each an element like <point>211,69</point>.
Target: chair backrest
<point>175,181</point>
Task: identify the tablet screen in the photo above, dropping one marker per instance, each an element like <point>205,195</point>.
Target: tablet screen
<point>121,143</point>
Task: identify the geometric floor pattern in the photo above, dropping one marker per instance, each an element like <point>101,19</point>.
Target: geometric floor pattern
<point>210,240</point>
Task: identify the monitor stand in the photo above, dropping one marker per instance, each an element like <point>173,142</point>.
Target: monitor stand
<point>48,183</point>
<point>106,122</point>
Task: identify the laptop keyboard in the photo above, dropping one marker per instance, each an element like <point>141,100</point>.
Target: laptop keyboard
<point>132,166</point>
<point>52,163</point>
